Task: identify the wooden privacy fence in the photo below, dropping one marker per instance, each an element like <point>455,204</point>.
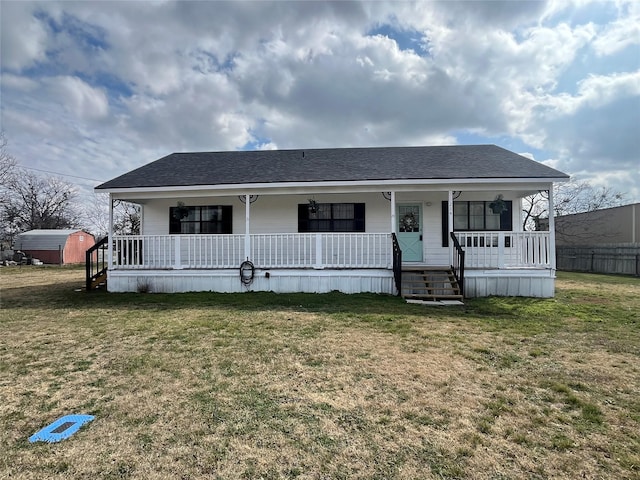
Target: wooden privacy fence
<point>615,258</point>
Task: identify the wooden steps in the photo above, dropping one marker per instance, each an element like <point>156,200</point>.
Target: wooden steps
<point>430,283</point>
<point>96,266</point>
<point>99,280</point>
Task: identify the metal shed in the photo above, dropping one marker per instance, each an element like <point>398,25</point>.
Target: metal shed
<point>55,246</point>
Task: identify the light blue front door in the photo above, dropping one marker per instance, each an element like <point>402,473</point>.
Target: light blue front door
<point>409,230</point>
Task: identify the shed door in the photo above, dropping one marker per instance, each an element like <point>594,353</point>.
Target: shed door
<point>410,232</point>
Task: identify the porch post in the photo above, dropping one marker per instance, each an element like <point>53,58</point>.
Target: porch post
<point>318,264</point>
<point>450,223</point>
<point>247,223</point>
<point>393,212</point>
<point>110,235</point>
<point>177,257</point>
<point>552,231</point>
<point>501,245</point>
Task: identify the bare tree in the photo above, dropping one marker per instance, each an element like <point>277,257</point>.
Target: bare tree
<point>535,207</point>
<point>8,164</point>
<point>126,218</point>
<point>96,215</point>
<point>569,198</point>
<point>36,202</point>
<point>583,197</point>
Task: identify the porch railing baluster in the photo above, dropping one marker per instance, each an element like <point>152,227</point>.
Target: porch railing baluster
<point>506,249</point>
<point>318,250</point>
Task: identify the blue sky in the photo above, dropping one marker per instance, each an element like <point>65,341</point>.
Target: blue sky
<point>94,89</point>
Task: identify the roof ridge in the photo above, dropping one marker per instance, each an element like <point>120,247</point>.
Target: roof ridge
<point>318,149</point>
<point>344,165</point>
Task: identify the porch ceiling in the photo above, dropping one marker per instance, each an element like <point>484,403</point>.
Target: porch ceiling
<point>517,189</point>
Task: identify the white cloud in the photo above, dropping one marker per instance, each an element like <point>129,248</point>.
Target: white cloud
<point>18,82</point>
<point>595,92</point>
<point>618,35</point>
<point>27,125</point>
<point>79,98</point>
<point>596,130</point>
<point>124,82</point>
<point>23,39</point>
<point>599,90</point>
<point>267,146</point>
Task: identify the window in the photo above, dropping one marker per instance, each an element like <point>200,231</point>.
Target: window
<point>200,219</point>
<point>475,216</point>
<point>331,217</point>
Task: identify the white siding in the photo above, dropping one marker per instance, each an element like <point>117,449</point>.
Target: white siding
<point>509,283</point>
<point>270,213</point>
<point>478,283</point>
<point>228,281</point>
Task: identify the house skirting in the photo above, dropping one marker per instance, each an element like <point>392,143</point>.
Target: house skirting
<point>478,283</point>
<point>277,280</point>
<point>509,283</point>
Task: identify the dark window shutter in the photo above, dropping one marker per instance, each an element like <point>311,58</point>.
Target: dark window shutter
<point>174,223</point>
<point>506,218</point>
<point>445,224</point>
<point>303,217</point>
<point>227,219</point>
<point>358,213</point>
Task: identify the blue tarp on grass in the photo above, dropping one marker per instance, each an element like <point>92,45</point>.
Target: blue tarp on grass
<point>61,429</point>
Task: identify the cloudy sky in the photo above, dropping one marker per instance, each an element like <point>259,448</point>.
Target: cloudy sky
<point>94,89</point>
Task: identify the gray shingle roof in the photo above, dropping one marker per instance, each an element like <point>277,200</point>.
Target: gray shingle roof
<point>333,164</point>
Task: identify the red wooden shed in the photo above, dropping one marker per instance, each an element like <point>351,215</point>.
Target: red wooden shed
<point>55,246</point>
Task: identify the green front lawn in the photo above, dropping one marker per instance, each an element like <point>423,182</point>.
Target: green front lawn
<point>261,385</point>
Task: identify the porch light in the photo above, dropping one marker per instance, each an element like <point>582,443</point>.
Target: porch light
<point>313,206</point>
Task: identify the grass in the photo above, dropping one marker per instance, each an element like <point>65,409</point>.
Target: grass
<point>333,386</point>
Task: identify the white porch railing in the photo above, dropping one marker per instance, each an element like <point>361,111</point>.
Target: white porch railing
<point>318,250</point>
<point>284,250</point>
<point>506,249</point>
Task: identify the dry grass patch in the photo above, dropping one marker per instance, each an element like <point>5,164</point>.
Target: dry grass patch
<point>319,386</point>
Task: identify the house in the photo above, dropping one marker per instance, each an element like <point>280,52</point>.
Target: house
<point>424,222</point>
<point>63,246</point>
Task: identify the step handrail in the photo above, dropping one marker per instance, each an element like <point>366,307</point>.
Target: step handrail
<point>95,269</point>
<point>458,263</point>
<point>397,263</point>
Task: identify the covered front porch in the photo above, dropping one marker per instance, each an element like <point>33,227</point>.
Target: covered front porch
<point>484,250</point>
<point>507,263</point>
